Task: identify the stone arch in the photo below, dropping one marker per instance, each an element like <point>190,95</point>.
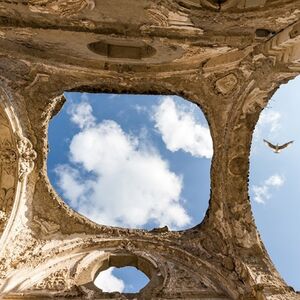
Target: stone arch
<point>97,261</point>
<point>16,162</point>
<point>48,43</point>
<point>77,263</point>
<point>8,168</point>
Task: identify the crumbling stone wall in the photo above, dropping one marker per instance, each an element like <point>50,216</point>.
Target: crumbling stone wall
<point>228,57</point>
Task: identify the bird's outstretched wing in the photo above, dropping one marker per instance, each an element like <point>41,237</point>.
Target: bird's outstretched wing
<point>270,144</point>
<point>285,145</point>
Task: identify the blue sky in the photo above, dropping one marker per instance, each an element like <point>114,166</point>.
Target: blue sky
<point>129,121</point>
<point>275,181</point>
<point>127,280</point>
<point>109,155</point>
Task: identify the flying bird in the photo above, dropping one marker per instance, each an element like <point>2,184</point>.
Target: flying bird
<point>277,148</point>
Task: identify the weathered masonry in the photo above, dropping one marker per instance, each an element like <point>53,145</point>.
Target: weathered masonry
<point>228,57</point>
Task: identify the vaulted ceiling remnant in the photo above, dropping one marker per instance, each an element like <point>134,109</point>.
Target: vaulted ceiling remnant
<point>227,56</point>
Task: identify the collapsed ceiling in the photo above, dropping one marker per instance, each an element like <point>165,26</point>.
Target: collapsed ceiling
<point>228,57</point>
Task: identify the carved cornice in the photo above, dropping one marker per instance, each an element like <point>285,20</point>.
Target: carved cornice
<point>284,47</point>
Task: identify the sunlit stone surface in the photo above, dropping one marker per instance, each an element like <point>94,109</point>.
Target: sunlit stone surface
<point>228,57</point>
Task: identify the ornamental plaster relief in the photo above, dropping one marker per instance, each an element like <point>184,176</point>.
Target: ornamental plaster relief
<point>62,8</point>
<point>228,57</point>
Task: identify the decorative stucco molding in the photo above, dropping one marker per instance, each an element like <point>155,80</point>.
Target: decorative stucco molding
<point>228,57</point>
<point>64,8</point>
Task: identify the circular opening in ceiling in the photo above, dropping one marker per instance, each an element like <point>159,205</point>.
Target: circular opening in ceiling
<point>132,161</point>
<point>120,272</point>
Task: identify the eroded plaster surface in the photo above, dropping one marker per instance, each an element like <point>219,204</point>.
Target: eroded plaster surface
<point>228,57</point>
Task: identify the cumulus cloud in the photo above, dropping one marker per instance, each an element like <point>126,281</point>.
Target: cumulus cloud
<point>262,193</point>
<point>180,129</point>
<point>81,114</point>
<point>125,181</point>
<point>107,282</point>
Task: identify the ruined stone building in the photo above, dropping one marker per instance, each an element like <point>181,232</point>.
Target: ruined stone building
<point>227,56</point>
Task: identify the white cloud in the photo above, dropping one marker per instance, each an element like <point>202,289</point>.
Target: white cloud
<point>107,282</point>
<point>271,119</point>
<point>81,114</point>
<point>275,180</point>
<point>69,180</point>
<point>129,184</point>
<point>262,193</point>
<point>268,124</point>
<point>180,130</point>
<point>140,109</point>
<point>267,127</point>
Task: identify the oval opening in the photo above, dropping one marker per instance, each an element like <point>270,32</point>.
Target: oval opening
<point>131,160</point>
<point>274,180</point>
<point>122,280</point>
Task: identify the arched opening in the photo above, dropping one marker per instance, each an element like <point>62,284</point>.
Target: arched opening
<point>132,160</point>
<point>120,272</point>
<point>274,180</point>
